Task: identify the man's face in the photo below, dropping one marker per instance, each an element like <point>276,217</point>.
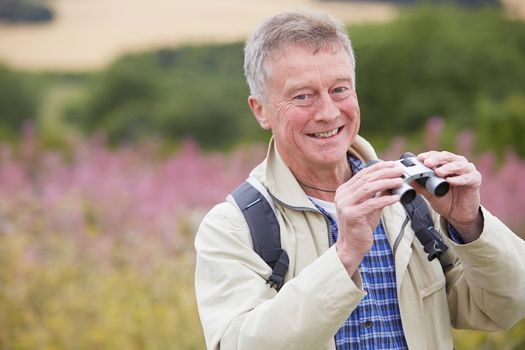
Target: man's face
<point>310,106</point>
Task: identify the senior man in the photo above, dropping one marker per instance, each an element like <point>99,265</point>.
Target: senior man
<point>374,288</point>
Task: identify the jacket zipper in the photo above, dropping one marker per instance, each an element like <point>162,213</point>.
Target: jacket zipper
<point>399,237</point>
<point>305,209</point>
<point>329,230</point>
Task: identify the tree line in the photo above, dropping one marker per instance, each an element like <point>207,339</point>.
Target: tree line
<point>467,66</point>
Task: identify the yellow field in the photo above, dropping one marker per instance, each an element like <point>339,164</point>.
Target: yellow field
<point>88,34</point>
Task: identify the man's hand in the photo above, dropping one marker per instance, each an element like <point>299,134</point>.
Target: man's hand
<point>359,202</point>
<point>460,206</point>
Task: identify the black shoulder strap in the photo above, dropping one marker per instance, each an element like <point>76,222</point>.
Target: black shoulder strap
<point>423,226</point>
<point>265,231</point>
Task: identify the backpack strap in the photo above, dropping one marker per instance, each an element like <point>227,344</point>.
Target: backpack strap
<point>423,226</point>
<point>265,231</point>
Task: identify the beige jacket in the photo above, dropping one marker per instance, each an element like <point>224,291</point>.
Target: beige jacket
<point>238,310</point>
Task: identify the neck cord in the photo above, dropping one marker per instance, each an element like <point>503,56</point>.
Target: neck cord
<point>315,188</point>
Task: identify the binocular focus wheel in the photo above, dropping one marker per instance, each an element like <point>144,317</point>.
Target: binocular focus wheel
<point>407,155</point>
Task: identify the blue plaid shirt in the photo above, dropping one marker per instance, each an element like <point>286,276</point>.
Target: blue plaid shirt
<point>376,321</point>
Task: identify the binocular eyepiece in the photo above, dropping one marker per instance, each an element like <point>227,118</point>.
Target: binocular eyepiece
<point>415,170</point>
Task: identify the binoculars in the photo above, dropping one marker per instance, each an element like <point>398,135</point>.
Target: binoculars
<point>415,170</point>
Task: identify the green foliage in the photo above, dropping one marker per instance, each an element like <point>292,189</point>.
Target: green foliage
<point>172,93</point>
<point>462,65</point>
<point>436,61</point>
<point>502,123</point>
<point>457,2</point>
<point>17,102</point>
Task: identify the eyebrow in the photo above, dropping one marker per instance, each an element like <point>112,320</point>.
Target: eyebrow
<point>292,87</point>
<point>344,80</point>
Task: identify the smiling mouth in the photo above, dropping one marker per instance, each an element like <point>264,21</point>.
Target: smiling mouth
<point>326,134</point>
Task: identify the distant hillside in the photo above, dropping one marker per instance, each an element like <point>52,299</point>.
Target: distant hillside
<point>459,2</point>
<point>88,35</point>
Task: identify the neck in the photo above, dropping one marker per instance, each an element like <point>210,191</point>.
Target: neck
<point>322,182</point>
<point>318,180</point>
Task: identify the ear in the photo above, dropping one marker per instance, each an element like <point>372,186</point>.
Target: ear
<point>258,111</point>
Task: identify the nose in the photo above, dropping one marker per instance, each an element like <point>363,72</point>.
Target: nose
<point>327,109</point>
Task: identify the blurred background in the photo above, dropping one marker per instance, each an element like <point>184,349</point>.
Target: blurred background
<point>123,121</point>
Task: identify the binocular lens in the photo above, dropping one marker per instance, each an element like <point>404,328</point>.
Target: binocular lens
<point>441,189</point>
<point>435,185</point>
<point>405,192</point>
<point>408,196</point>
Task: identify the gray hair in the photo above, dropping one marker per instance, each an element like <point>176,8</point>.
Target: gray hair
<point>314,30</point>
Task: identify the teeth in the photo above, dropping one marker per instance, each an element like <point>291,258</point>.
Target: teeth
<point>323,135</point>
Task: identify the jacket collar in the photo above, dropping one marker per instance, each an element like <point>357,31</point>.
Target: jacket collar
<point>281,183</point>
<point>282,186</point>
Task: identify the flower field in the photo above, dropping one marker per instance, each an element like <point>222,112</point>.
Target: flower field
<point>96,243</point>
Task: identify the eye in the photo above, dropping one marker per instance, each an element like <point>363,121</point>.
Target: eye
<point>302,97</point>
<point>341,92</point>
<point>340,89</point>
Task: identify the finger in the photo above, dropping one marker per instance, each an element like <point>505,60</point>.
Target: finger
<point>367,190</point>
<point>377,171</point>
<point>426,155</point>
<point>366,208</point>
<point>455,168</point>
<point>378,203</point>
<point>472,179</point>
<point>377,167</point>
<point>433,159</point>
<point>364,183</point>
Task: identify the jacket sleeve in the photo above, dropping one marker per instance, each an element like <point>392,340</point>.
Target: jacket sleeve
<point>238,310</point>
<point>486,286</point>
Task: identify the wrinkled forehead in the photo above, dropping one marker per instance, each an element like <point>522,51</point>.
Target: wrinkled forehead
<point>278,54</point>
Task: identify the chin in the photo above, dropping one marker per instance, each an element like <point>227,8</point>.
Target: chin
<point>332,157</point>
